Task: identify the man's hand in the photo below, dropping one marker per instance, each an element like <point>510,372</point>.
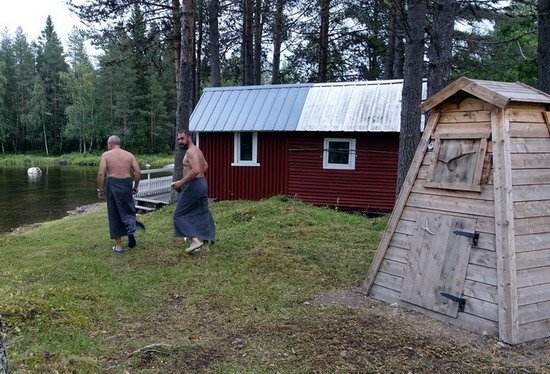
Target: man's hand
<point>177,185</point>
<point>100,194</point>
<point>134,190</point>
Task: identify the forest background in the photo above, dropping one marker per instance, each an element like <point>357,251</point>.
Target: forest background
<point>157,56</point>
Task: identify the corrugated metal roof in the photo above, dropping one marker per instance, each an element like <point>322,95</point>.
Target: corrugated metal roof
<point>350,106</point>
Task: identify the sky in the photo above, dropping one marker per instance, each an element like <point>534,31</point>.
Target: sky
<point>31,16</point>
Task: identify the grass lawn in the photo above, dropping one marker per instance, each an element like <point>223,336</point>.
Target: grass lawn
<point>70,304</point>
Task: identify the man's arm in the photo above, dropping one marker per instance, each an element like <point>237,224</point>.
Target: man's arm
<point>101,176</point>
<point>137,174</point>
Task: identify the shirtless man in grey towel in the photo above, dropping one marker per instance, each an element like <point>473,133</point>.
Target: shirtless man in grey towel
<point>117,164</point>
<point>192,218</point>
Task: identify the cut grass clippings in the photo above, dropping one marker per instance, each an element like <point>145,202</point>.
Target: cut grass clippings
<point>70,304</point>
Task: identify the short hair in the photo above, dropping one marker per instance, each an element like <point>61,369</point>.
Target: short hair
<point>186,132</point>
<point>113,139</point>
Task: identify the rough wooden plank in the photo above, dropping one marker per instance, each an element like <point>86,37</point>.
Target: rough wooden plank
<point>462,205</point>
<point>406,227</point>
<point>535,330</point>
<point>384,293</point>
<point>487,95</point>
<point>484,224</point>
<point>401,241</point>
<point>533,259</point>
<point>531,193</point>
<point>481,309</point>
<point>482,274</point>
<point>534,312</point>
<point>504,227</point>
<point>466,321</point>
<point>529,145</point>
<point>397,254</point>
<point>465,118</point>
<point>530,209</point>
<point>546,116</point>
<point>533,277</point>
<point>534,294</point>
<point>530,160</point>
<point>388,281</point>
<point>532,242</point>
<point>400,203</point>
<point>535,225</point>
<point>528,130</point>
<point>535,115</point>
<point>481,291</point>
<point>486,194</point>
<point>483,257</point>
<point>468,104</point>
<point>393,267</point>
<point>526,177</point>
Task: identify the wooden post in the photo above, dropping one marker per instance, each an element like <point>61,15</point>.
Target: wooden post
<point>3,354</point>
<point>508,324</point>
<point>401,200</point>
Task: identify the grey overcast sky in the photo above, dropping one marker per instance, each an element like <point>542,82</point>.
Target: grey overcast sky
<point>31,16</point>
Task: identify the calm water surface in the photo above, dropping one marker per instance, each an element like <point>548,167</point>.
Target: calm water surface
<point>25,199</point>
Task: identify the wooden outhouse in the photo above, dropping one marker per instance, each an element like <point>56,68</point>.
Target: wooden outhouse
<point>468,241</point>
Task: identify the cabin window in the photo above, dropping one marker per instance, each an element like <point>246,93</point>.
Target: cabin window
<point>245,149</point>
<point>339,154</point>
<point>457,162</point>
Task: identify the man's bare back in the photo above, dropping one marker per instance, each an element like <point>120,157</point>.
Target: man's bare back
<point>119,163</point>
<point>194,160</point>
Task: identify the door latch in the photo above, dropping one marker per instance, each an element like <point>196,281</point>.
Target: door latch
<point>473,235</point>
<point>461,302</point>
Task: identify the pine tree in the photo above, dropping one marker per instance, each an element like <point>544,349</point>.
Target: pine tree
<point>51,63</point>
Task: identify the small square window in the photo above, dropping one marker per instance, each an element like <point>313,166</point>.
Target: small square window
<point>245,149</point>
<point>339,154</point>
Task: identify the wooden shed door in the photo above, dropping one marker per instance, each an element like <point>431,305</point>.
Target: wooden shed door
<point>437,262</point>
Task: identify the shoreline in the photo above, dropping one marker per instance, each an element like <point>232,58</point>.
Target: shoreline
<point>78,211</point>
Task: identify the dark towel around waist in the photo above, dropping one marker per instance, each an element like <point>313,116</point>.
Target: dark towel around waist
<point>192,217</point>
<point>120,207</point>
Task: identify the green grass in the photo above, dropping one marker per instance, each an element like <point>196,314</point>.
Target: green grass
<point>85,159</point>
<point>70,304</point>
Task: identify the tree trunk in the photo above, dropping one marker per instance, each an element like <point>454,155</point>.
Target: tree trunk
<point>185,83</point>
<point>277,41</point>
<point>543,10</point>
<point>215,73</point>
<point>45,138</point>
<point>198,58</point>
<point>248,43</point>
<point>3,354</point>
<point>399,62</point>
<point>441,45</point>
<point>409,135</point>
<point>390,48</point>
<point>258,27</point>
<point>323,41</point>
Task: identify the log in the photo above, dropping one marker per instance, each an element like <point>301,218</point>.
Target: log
<point>3,354</point>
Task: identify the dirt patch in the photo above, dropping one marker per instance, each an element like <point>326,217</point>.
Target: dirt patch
<point>528,357</point>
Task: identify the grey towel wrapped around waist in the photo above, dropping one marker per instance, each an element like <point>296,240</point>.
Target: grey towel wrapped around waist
<point>120,207</point>
<point>192,217</point>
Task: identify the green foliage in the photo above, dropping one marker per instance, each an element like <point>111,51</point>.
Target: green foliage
<point>77,158</point>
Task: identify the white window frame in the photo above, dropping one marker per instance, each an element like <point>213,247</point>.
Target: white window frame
<point>352,152</point>
<point>237,150</point>
<point>197,137</point>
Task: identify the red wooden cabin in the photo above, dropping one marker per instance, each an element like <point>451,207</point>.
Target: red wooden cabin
<point>327,144</point>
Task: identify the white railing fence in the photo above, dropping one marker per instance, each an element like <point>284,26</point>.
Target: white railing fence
<point>152,186</point>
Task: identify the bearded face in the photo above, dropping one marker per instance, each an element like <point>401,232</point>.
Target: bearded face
<point>183,142</point>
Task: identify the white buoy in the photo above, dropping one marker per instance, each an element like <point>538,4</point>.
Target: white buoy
<point>34,171</point>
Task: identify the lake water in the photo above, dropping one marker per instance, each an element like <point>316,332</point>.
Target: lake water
<point>28,199</point>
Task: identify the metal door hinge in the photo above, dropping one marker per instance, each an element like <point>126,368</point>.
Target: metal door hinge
<point>461,302</point>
